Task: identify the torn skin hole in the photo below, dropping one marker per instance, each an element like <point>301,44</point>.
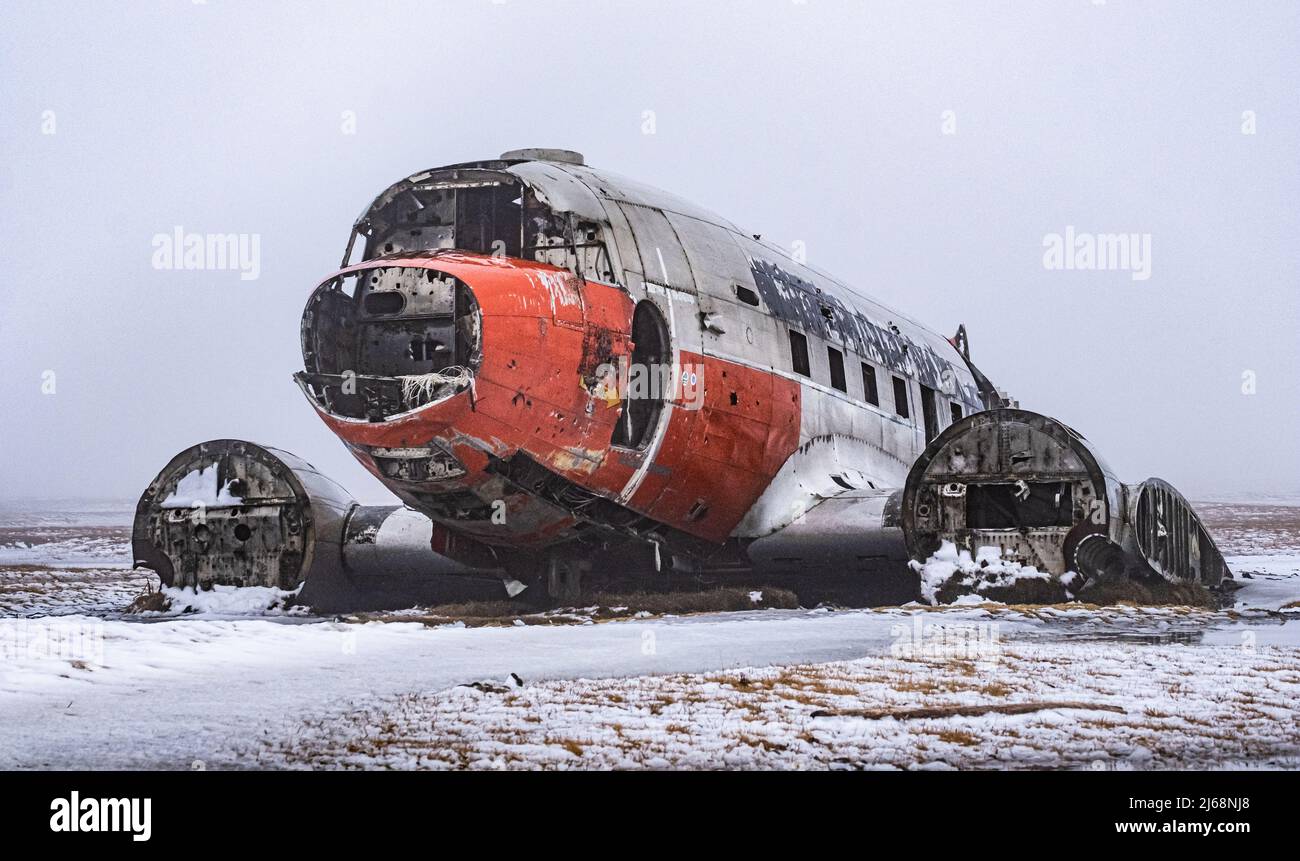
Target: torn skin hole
<point>744,294</point>
<point>698,510</point>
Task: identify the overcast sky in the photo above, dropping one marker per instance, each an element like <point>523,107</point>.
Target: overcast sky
<point>813,121</point>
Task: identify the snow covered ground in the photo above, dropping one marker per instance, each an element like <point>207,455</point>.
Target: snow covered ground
<point>1153,707</point>
<point>248,685</point>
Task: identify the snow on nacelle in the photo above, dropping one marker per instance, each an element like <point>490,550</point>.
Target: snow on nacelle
<point>1035,489</point>
<point>234,513</point>
<point>539,355</point>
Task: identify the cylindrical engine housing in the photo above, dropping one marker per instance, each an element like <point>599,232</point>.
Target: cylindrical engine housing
<point>231,512</point>
<point>1037,490</point>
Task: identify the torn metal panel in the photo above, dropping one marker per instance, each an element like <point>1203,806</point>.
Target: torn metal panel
<point>1037,490</point>
<point>560,189</point>
<point>231,512</point>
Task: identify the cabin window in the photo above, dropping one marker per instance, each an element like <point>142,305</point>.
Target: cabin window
<point>799,353</point>
<point>837,369</point>
<point>930,412</point>
<point>956,412</point>
<point>869,390</point>
<point>900,398</point>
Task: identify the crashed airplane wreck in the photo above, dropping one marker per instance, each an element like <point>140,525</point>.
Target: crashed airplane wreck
<point>573,381</point>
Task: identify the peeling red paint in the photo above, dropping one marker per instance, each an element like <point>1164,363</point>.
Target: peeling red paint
<point>545,334</point>
<point>722,455</point>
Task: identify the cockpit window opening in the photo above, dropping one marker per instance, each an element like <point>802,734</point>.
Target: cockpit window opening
<point>404,337</point>
<point>485,212</point>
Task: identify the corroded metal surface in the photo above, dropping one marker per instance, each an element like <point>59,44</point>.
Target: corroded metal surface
<point>230,512</point>
<point>560,259</point>
<point>1037,490</point>
<point>552,363</point>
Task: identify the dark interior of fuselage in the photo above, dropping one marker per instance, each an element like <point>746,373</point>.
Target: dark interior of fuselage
<point>391,339</point>
<point>649,377</point>
<point>382,341</point>
<point>484,217</point>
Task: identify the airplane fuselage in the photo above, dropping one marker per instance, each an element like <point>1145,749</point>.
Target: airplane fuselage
<point>532,352</point>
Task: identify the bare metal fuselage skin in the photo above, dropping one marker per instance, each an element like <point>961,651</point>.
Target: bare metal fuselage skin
<point>550,361</point>
<point>750,427</point>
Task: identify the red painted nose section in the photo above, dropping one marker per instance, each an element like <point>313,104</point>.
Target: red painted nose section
<point>492,394</point>
<point>463,362</point>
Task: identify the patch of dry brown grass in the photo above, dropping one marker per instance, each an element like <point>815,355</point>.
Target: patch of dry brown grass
<point>956,736</point>
<point>1150,592</point>
<point>149,601</point>
<point>476,614</point>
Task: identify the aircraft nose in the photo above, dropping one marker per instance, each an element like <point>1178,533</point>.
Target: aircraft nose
<point>495,353</point>
<point>385,339</point>
<point>460,380</point>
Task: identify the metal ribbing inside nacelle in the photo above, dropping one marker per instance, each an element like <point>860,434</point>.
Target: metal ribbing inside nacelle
<point>1010,479</point>
<point>1036,490</point>
<point>234,513</point>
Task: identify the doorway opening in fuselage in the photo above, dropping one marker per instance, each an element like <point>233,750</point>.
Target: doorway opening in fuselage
<point>648,379</point>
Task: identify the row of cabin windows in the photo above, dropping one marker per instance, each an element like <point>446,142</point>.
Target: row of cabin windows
<point>870,389</point>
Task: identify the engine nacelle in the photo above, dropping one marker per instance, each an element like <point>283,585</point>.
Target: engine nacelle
<point>230,512</point>
<point>1037,490</point>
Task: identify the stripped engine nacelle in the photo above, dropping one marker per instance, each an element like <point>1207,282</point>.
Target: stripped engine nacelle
<point>1036,489</point>
<point>234,513</point>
